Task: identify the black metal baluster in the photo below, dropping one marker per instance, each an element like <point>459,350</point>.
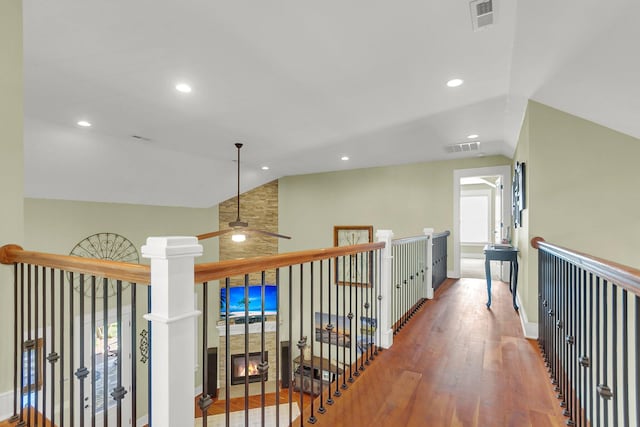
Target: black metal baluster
<point>227,356</point>
<point>72,395</point>
<point>312,418</point>
<point>579,339</point>
<point>359,313</point>
<point>585,355</point>
<point>134,356</point>
<point>321,408</point>
<point>150,360</point>
<point>205,400</point>
<point>605,348</point>
<point>614,334</point>
<point>246,350</point>
<point>44,346</point>
<point>52,357</point>
<point>337,392</point>
<point>82,372</point>
<point>278,361</point>
<point>17,347</point>
<point>598,361</point>
<point>329,328</point>
<point>34,351</point>
<point>119,392</point>
<point>301,343</point>
<point>625,358</point>
<point>593,317</point>
<point>290,370</point>
<point>264,363</point>
<point>637,365</point>
<point>62,352</point>
<point>93,351</point>
<point>105,351</point>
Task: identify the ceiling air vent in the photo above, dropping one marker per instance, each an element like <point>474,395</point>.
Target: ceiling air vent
<point>463,147</point>
<point>482,14</point>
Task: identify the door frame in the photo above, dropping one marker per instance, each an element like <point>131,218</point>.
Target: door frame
<point>505,172</point>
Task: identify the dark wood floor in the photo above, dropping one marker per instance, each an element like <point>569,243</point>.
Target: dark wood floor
<point>456,364</point>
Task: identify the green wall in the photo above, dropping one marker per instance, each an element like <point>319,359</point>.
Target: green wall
<point>582,191</point>
<point>11,170</point>
<point>404,198</point>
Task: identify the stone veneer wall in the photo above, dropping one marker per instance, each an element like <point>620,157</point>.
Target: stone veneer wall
<point>258,207</point>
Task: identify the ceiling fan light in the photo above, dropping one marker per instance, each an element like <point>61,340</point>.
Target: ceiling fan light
<point>239,237</point>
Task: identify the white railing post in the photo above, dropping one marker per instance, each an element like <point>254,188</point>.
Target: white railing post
<point>429,263</point>
<point>173,350</point>
<point>386,288</point>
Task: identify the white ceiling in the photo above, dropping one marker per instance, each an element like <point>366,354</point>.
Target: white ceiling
<point>300,84</point>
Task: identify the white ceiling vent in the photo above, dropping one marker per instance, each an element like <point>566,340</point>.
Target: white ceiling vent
<point>463,147</point>
<point>482,14</point>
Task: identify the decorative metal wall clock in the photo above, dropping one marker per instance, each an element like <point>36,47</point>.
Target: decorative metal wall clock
<point>108,246</point>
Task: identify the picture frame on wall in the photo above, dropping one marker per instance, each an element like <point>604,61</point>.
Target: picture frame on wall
<point>352,271</point>
<point>518,200</point>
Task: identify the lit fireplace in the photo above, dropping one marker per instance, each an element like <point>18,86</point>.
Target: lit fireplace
<point>239,369</point>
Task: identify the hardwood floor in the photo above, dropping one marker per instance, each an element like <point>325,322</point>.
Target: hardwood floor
<point>455,364</point>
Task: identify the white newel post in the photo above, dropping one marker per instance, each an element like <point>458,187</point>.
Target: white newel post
<point>173,350</point>
<point>429,263</point>
<point>386,288</point>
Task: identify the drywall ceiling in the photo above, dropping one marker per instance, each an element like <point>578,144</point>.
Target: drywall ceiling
<point>301,85</point>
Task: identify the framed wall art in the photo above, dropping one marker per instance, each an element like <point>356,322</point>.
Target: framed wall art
<point>518,199</point>
<point>352,270</point>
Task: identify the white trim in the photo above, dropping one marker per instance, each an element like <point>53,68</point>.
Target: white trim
<point>6,405</point>
<point>530,329</point>
<point>452,274</point>
<point>472,256</point>
<point>142,421</point>
<point>505,171</point>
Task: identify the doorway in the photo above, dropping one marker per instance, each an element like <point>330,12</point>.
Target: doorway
<point>481,216</point>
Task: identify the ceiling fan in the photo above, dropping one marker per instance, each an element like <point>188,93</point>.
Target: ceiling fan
<point>239,228</point>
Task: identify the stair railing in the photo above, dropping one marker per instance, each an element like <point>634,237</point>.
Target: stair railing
<point>589,335</point>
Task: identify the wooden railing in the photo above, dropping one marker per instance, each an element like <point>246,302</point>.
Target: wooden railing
<point>589,334</point>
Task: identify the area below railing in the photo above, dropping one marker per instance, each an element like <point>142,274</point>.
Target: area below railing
<point>299,326</point>
<point>589,334</point>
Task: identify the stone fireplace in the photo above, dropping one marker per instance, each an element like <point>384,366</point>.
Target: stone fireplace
<point>237,348</point>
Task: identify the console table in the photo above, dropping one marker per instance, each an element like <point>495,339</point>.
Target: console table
<point>502,253</point>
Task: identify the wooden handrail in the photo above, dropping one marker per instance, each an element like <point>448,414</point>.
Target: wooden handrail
<point>622,275</point>
<point>141,274</point>
<point>219,270</point>
<point>442,234</point>
<point>407,240</point>
<point>125,271</point>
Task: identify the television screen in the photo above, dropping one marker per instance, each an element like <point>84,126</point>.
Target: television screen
<point>237,300</point>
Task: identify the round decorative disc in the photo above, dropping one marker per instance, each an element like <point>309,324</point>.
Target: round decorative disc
<point>108,246</point>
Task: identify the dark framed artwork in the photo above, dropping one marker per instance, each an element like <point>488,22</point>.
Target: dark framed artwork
<point>518,200</point>
<point>352,271</point>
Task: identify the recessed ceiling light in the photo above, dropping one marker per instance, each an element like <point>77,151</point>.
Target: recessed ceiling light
<point>84,123</point>
<point>183,87</point>
<point>472,136</point>
<point>265,168</point>
<point>455,82</point>
<point>344,158</point>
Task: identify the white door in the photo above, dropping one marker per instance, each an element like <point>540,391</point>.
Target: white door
<point>108,338</point>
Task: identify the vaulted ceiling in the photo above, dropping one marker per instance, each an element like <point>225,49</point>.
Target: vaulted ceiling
<point>300,84</point>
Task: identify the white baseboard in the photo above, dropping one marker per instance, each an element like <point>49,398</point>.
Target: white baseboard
<point>472,255</point>
<point>452,275</point>
<point>530,329</point>
<point>6,405</point>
